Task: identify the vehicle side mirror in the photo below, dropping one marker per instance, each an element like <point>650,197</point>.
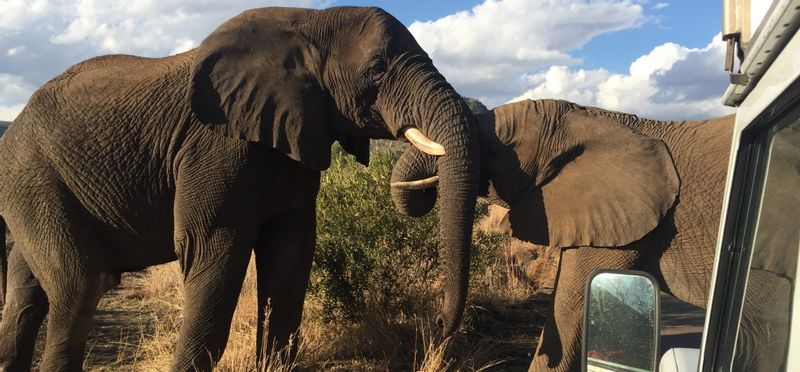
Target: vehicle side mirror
<point>621,322</point>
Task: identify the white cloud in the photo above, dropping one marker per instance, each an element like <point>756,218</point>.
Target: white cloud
<point>485,51</point>
<point>659,6</point>
<point>150,27</point>
<point>8,113</point>
<point>44,37</point>
<point>670,82</point>
<point>183,45</point>
<point>15,51</point>
<point>17,14</point>
<point>12,86</point>
<point>660,59</point>
<point>558,81</point>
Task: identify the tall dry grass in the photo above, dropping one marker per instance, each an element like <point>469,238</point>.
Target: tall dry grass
<point>375,343</point>
<point>378,342</point>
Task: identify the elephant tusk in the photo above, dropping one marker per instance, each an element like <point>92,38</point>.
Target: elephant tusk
<point>423,143</point>
<point>416,185</point>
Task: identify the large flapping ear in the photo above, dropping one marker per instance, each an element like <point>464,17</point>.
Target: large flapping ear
<point>254,79</point>
<point>610,187</point>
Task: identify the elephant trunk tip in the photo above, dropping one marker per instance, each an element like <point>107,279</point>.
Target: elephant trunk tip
<point>449,317</point>
<point>448,325</point>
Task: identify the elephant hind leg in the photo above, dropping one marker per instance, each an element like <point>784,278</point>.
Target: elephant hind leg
<point>70,260</point>
<point>25,308</point>
<point>71,312</point>
<point>73,294</point>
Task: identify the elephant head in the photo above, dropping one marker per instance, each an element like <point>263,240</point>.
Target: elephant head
<point>298,80</point>
<point>571,175</point>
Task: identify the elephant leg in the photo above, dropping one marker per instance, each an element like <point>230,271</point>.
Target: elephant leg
<point>69,259</point>
<point>559,346</point>
<point>71,310</point>
<point>213,270</point>
<point>25,308</point>
<point>283,261</point>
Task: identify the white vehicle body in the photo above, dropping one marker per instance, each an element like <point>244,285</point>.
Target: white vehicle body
<point>772,67</point>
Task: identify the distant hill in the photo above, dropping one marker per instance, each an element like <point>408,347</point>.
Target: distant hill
<point>3,126</point>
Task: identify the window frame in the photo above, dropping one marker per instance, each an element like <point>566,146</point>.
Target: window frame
<point>752,158</point>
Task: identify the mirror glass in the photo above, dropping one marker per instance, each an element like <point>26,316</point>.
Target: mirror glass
<point>621,323</point>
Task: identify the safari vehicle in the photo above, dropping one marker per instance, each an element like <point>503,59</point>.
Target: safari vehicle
<point>752,320</point>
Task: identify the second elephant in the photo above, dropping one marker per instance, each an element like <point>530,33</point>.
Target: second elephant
<point>613,190</point>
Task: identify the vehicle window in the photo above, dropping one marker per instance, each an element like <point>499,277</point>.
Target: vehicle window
<point>763,335</point>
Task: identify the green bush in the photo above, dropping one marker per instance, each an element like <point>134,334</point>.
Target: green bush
<point>369,257</point>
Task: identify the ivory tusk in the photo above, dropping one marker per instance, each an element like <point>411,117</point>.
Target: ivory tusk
<point>416,185</point>
<point>423,143</point>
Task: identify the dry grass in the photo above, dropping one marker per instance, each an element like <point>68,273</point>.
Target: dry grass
<point>137,325</point>
<point>499,327</point>
<point>522,268</point>
<point>375,343</point>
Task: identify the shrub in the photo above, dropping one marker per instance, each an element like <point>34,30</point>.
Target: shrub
<point>369,257</point>
<point>476,106</point>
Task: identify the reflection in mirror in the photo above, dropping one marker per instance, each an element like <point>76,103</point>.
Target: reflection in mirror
<point>621,323</point>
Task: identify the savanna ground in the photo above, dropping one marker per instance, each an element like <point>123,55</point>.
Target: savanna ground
<point>372,297</point>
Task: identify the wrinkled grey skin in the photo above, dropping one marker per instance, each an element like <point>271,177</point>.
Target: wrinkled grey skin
<point>124,162</point>
<point>611,189</point>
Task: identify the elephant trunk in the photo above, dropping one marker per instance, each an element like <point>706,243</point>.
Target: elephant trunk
<point>442,115</point>
<point>458,172</point>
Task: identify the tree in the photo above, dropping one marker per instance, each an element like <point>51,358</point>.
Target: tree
<point>475,105</point>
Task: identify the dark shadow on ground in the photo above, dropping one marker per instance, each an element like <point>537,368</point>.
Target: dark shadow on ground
<point>681,324</point>
<point>513,329</point>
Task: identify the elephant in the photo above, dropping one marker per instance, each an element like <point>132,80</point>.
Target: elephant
<point>124,162</point>
<point>609,189</point>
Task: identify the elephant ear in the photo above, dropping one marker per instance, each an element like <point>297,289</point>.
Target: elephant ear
<point>610,187</point>
<point>254,79</point>
<point>356,145</point>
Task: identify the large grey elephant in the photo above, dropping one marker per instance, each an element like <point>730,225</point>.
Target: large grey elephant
<point>613,190</point>
<point>124,162</point>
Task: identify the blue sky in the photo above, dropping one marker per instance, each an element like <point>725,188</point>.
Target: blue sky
<point>685,22</point>
<point>656,58</point>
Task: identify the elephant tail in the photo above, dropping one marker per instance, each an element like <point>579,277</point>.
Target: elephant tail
<point>3,261</point>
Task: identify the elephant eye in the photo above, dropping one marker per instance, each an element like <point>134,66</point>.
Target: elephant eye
<point>378,70</point>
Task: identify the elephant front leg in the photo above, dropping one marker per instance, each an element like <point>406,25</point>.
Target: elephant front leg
<point>283,261</point>
<point>560,343</point>
<point>214,263</point>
